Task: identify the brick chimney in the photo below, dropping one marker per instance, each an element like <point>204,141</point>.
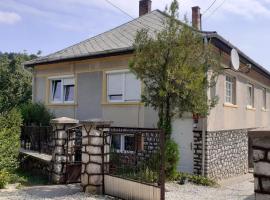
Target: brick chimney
<point>144,7</point>
<point>196,18</point>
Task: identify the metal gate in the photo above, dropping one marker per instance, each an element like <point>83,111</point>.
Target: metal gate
<point>73,155</point>
<point>136,163</point>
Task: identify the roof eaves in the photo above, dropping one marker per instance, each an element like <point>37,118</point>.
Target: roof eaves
<point>241,53</point>
<point>90,55</point>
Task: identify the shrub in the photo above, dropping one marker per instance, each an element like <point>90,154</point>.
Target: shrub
<point>4,178</point>
<point>171,159</point>
<point>9,140</point>
<point>36,113</point>
<point>196,179</point>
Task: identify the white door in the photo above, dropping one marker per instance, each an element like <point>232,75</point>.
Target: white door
<point>182,133</point>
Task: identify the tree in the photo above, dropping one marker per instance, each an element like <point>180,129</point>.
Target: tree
<point>15,81</point>
<point>174,67</point>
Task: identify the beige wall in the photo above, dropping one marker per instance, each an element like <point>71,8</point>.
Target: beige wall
<point>221,117</point>
<point>225,117</point>
<point>123,114</point>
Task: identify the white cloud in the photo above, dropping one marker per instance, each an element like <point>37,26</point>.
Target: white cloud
<point>9,17</point>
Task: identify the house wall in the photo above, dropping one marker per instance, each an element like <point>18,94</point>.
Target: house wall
<point>229,117</point>
<point>226,137</point>
<point>89,95</point>
<point>90,92</point>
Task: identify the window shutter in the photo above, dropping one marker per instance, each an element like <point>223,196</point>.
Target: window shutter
<point>115,84</point>
<point>132,87</point>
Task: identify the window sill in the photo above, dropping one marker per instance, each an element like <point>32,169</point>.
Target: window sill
<point>229,105</point>
<point>122,104</point>
<point>250,108</point>
<point>61,104</point>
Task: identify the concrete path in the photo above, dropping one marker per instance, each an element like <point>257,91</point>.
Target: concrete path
<point>238,188</point>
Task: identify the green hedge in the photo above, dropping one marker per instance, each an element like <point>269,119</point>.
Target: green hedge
<point>10,124</point>
<point>36,113</point>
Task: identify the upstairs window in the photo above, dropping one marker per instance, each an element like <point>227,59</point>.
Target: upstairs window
<point>123,87</point>
<point>230,93</point>
<point>62,90</point>
<point>250,95</point>
<point>264,98</point>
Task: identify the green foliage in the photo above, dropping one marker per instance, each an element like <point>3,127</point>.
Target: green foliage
<point>199,180</point>
<point>171,159</point>
<point>15,81</point>
<point>36,113</point>
<point>4,178</point>
<point>173,67</point>
<point>147,171</point>
<point>26,178</point>
<point>9,139</point>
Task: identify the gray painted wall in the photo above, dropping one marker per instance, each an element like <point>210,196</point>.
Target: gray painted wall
<point>64,112</point>
<point>40,89</point>
<point>89,95</point>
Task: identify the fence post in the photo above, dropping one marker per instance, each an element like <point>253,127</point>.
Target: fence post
<point>60,125</point>
<point>93,153</point>
<point>162,167</point>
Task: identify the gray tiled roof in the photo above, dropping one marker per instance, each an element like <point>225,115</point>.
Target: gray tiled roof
<point>118,39</point>
<point>121,39</point>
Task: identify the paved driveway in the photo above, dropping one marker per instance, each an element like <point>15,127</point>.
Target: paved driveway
<point>240,188</point>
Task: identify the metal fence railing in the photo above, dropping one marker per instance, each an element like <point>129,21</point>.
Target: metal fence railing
<point>37,138</point>
<point>136,154</point>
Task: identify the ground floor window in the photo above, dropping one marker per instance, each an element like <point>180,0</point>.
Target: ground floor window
<point>123,143</point>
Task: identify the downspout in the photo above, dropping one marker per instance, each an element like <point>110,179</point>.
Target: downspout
<point>204,127</point>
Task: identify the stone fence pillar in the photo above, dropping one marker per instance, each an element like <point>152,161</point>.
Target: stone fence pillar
<point>60,125</point>
<point>94,154</point>
<point>261,158</point>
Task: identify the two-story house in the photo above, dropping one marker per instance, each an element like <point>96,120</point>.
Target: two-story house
<point>91,79</point>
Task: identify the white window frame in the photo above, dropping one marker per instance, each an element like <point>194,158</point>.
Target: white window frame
<point>122,143</point>
<point>250,104</point>
<point>123,100</point>
<point>232,83</point>
<point>61,78</point>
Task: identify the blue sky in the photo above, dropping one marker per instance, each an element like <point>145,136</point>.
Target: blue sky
<point>51,25</point>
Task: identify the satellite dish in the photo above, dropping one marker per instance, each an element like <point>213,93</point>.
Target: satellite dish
<point>235,59</point>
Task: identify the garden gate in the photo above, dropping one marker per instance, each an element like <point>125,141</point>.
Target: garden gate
<point>73,154</point>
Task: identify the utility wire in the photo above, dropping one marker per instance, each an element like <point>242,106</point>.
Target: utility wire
<point>115,6</point>
<point>112,4</point>
<point>220,5</point>
<point>209,7</point>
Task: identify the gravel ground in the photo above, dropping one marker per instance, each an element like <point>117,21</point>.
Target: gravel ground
<point>240,188</point>
<point>235,191</point>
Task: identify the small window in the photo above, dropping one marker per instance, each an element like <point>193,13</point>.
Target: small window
<point>264,98</point>
<point>250,95</point>
<point>123,143</point>
<point>62,90</point>
<point>123,87</point>
<point>230,93</point>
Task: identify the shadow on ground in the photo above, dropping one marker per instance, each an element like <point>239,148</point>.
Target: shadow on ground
<point>53,191</point>
<point>251,197</point>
